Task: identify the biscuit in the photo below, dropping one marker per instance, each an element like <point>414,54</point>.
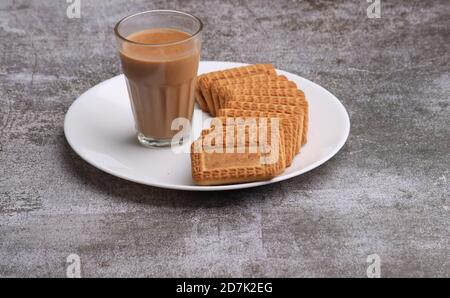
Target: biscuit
<point>204,81</point>
<point>256,122</point>
<point>258,79</point>
<point>278,82</point>
<point>199,97</point>
<point>270,89</point>
<point>297,101</point>
<point>290,126</point>
<point>291,111</point>
<point>246,163</point>
<point>257,88</point>
<point>248,130</point>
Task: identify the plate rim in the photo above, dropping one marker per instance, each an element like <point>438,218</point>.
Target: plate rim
<point>213,187</point>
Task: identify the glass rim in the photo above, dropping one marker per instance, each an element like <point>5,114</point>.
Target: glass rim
<point>116,28</point>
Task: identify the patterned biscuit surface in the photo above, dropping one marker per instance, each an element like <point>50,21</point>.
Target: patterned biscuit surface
<point>251,79</point>
<point>248,79</point>
<point>297,101</point>
<point>269,89</point>
<point>291,111</point>
<point>281,82</point>
<point>245,164</point>
<point>205,80</point>
<point>290,127</point>
<point>253,126</point>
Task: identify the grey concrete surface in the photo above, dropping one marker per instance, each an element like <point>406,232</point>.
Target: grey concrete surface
<point>385,193</point>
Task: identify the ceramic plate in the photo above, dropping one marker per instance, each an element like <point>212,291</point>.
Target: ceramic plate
<point>99,127</point>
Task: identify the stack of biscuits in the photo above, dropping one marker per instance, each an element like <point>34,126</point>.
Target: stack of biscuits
<point>261,122</point>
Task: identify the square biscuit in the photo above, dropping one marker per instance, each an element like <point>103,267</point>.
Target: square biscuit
<point>258,79</point>
<point>299,102</point>
<point>205,80</point>
<point>279,86</point>
<point>246,163</point>
<point>290,111</point>
<point>290,127</point>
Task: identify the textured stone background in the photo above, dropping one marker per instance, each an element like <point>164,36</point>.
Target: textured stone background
<point>386,192</point>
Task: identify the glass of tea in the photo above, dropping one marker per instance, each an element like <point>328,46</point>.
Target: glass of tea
<point>160,53</point>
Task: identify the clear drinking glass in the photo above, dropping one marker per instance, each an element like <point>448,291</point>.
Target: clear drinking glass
<point>160,53</point>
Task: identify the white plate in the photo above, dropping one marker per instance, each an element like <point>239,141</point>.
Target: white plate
<point>99,127</point>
